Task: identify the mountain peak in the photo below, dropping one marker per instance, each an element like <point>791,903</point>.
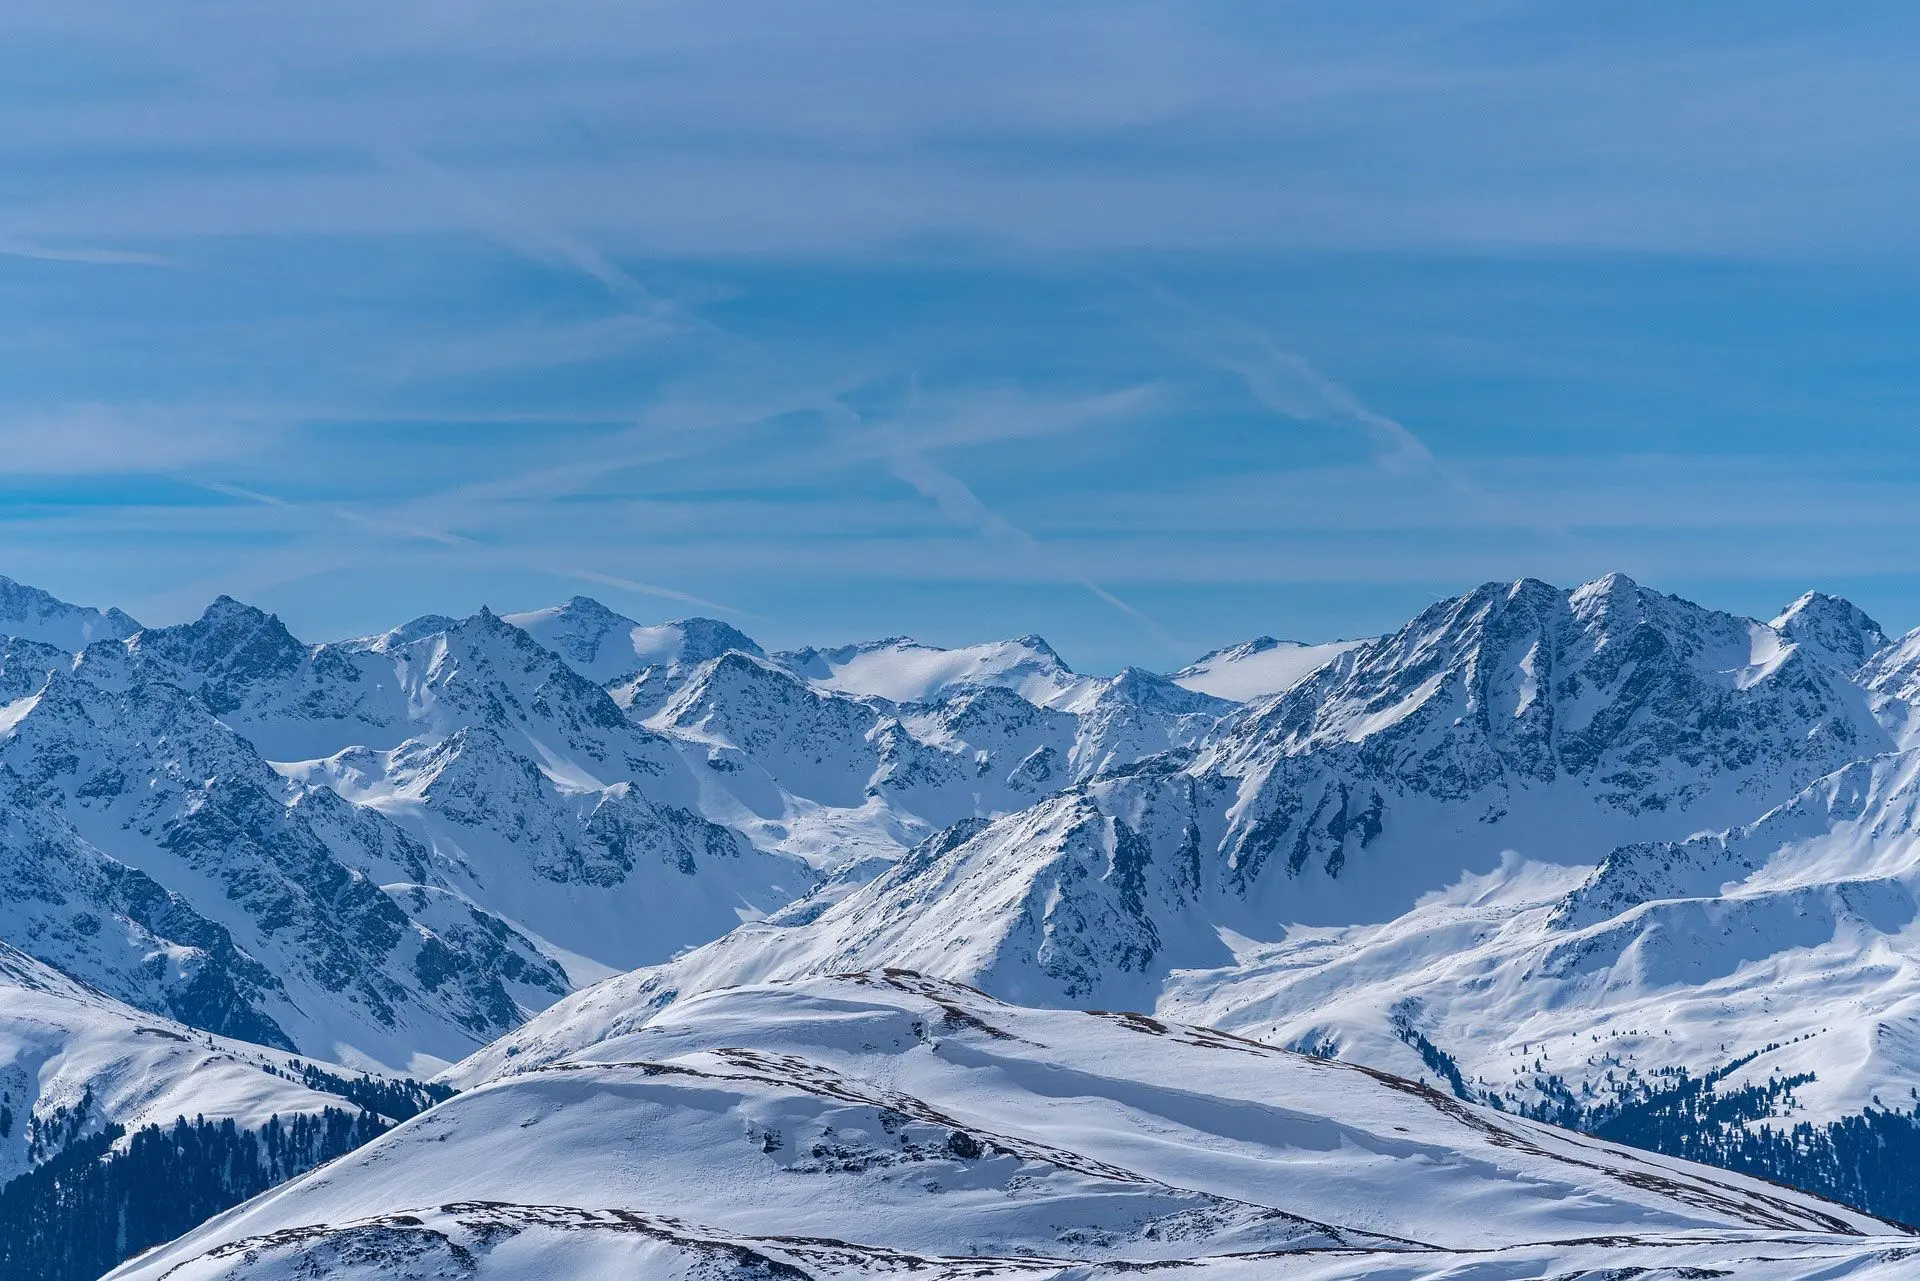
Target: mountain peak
<point>1038,644</point>
<point>1138,686</point>
<point>587,606</point>
<point>1257,668</point>
<point>1606,588</point>
<point>225,607</point>
<point>702,639</point>
<point>1833,627</point>
<point>415,628</point>
<point>903,670</point>
<point>230,639</point>
<point>605,646</point>
<point>484,623</point>
<point>37,615</point>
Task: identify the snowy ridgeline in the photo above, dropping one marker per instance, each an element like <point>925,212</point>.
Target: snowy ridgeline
<point>1599,857</point>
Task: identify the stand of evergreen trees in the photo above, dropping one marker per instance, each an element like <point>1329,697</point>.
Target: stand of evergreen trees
<point>1866,1161</point>
<point>77,1215</point>
<point>400,1100</point>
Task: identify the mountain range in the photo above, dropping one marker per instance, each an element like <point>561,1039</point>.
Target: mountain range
<point>1598,859</point>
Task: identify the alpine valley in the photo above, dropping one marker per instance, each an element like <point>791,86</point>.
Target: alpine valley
<point>1558,933</point>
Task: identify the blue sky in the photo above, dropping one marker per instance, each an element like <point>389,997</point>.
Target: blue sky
<point>1149,328</point>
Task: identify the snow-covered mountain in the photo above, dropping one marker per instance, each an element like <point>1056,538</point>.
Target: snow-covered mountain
<point>1257,668</point>
<point>606,647</point>
<point>153,852</point>
<point>31,614</point>
<point>540,801</point>
<point>884,1124</point>
<point>902,670</point>
<point>1517,718</point>
<point>398,846</point>
<point>1469,850</point>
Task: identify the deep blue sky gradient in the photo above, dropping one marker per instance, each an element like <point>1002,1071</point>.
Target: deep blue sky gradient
<point>1147,328</point>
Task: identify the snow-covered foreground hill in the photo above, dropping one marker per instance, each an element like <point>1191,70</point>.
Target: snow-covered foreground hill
<point>885,1124</point>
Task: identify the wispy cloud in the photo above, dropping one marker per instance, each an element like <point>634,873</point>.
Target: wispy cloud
<point>1290,385</point>
<point>538,238</point>
<point>850,128</point>
<point>98,257</point>
<point>117,439</point>
<point>1286,382</point>
<point>582,289</point>
<point>528,345</point>
<point>383,524</point>
<point>237,491</point>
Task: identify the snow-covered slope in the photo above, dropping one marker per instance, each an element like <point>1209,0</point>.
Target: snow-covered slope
<point>1892,680</point>
<point>73,1060</point>
<point>1257,668</point>
<point>884,1124</point>
<point>1787,948</point>
<point>902,670</point>
<point>31,614</point>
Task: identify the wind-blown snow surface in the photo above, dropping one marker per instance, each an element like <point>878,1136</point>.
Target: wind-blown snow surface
<point>884,1124</point>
